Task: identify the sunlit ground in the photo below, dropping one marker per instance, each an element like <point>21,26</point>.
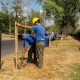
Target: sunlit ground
<point>61,62</point>
<point>7,37</point>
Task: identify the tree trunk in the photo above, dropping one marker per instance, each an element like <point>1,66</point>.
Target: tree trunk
<point>64,33</point>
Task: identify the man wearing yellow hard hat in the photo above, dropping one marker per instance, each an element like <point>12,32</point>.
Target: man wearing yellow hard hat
<point>40,39</point>
<point>34,20</point>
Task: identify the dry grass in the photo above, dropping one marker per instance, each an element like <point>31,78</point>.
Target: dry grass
<point>58,59</point>
<point>7,37</point>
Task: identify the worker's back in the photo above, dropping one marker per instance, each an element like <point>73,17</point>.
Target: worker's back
<point>29,38</point>
<point>39,32</point>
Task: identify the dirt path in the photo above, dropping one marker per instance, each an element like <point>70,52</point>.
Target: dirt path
<point>61,62</point>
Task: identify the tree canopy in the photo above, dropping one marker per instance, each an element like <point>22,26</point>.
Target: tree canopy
<point>64,10</point>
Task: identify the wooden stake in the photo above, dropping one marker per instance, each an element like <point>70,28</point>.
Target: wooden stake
<point>16,44</point>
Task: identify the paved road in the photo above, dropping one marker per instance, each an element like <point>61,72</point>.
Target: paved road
<point>8,47</point>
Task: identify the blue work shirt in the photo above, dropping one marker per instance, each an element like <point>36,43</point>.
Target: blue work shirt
<point>39,32</point>
<point>28,40</point>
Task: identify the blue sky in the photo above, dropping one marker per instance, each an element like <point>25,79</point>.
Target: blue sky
<point>33,4</point>
<point>36,6</point>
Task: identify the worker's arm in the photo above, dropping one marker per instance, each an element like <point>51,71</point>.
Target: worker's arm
<point>28,27</point>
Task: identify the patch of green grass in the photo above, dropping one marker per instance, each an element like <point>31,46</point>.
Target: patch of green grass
<point>75,74</point>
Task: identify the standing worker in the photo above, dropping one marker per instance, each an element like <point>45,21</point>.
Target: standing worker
<point>40,39</point>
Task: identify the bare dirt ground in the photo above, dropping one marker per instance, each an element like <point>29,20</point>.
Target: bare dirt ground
<point>60,60</point>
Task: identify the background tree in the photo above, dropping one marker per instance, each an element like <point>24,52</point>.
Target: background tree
<point>4,22</point>
<point>64,11</point>
<point>4,17</point>
<point>17,13</point>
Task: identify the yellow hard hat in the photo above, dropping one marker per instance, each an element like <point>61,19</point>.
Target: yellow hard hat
<point>34,20</point>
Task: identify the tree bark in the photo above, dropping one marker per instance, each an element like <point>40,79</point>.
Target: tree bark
<point>64,33</point>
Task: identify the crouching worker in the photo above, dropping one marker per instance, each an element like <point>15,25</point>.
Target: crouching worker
<point>29,42</point>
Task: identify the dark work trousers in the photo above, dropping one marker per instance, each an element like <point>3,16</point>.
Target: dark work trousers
<point>39,53</point>
<point>31,52</point>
